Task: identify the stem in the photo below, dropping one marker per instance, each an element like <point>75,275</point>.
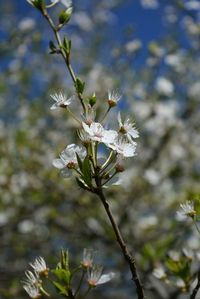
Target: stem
<point>106,113</point>
<point>196,226</point>
<point>62,52</point>
<point>197,287</point>
<point>80,282</point>
<point>128,257</point>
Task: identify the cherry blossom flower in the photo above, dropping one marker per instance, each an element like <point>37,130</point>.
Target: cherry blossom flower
<point>32,290</point>
<point>68,159</point>
<point>127,128</point>
<point>186,210</point>
<point>95,276</point>
<point>113,98</point>
<point>39,266</point>
<point>31,278</point>
<point>96,132</point>
<point>88,256</point>
<point>123,148</point>
<point>61,100</point>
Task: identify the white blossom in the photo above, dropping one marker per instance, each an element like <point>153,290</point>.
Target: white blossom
<point>95,276</point>
<point>88,256</point>
<point>123,148</point>
<point>68,159</point>
<point>186,210</point>
<point>96,132</point>
<point>31,278</point>
<point>32,290</point>
<point>152,4</point>
<point>113,98</point>
<point>66,3</point>
<point>127,128</point>
<point>61,100</point>
<point>39,265</point>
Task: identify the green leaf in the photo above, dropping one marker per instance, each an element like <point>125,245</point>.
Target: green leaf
<point>80,164</point>
<point>65,16</point>
<point>92,100</point>
<point>79,85</point>
<point>87,172</point>
<point>64,260</point>
<point>52,47</point>
<point>60,288</point>
<point>80,182</point>
<point>67,45</point>
<point>62,275</point>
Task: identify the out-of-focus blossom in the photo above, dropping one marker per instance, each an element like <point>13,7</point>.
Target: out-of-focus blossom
<point>61,100</point>
<point>39,266</point>
<point>164,86</point>
<point>192,5</point>
<point>194,90</point>
<point>152,176</point>
<point>188,253</point>
<point>152,4</point>
<point>127,128</point>
<point>83,21</point>
<point>113,98</point>
<point>133,46</point>
<point>26,24</point>
<point>96,132</point>
<point>95,276</point>
<point>174,255</point>
<point>186,210</point>
<point>159,273</point>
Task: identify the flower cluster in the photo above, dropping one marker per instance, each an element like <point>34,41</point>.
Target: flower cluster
<point>121,144</point>
<point>32,283</point>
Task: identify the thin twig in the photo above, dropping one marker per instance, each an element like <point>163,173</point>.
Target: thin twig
<point>128,257</point>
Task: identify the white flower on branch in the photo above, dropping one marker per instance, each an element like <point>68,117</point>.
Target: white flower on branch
<point>96,132</point>
<point>113,98</point>
<point>127,128</point>
<point>39,266</point>
<point>32,290</point>
<point>186,210</point>
<point>95,276</point>
<point>31,278</point>
<point>68,159</point>
<point>66,3</point>
<point>61,100</point>
<point>123,148</point>
<point>88,256</point>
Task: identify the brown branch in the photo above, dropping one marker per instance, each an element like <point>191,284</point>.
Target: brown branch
<point>127,255</point>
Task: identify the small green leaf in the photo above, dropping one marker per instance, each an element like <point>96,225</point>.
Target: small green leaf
<point>80,182</point>
<point>64,260</point>
<point>62,275</point>
<point>80,164</point>
<point>67,45</point>
<point>79,85</point>
<point>87,171</point>
<point>60,288</point>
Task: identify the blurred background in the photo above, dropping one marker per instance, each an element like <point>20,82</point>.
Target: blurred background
<point>149,50</point>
